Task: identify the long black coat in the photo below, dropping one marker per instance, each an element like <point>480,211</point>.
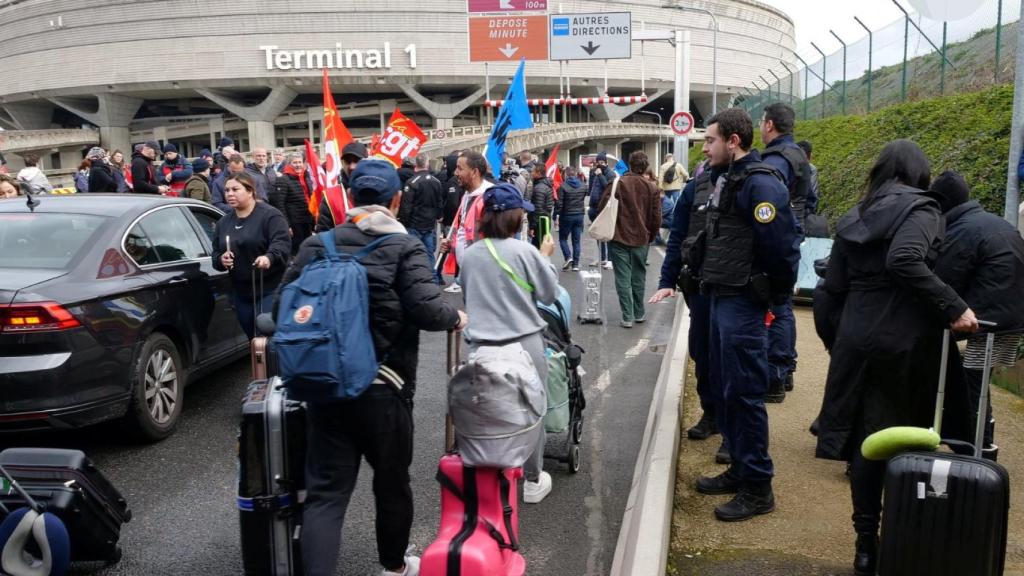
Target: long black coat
<point>885,358</point>
<point>101,177</point>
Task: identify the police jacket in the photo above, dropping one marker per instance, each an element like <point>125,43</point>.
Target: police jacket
<point>287,196</point>
<point>422,202</point>
<point>404,298</point>
<point>543,200</point>
<point>688,209</point>
<point>751,238</point>
<point>789,159</point>
<point>982,258</point>
<point>572,198</point>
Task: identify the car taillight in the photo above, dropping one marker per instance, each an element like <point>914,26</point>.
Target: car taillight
<point>112,265</point>
<point>36,317</point>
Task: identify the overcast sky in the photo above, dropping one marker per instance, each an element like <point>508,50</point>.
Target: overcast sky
<point>813,19</point>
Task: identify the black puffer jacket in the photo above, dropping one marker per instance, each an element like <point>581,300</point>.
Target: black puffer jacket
<point>101,177</point>
<point>982,258</point>
<point>543,200</point>
<point>404,298</point>
<point>287,196</point>
<point>572,198</point>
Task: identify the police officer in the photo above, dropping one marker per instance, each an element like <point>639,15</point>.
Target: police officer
<point>679,268</point>
<point>750,258</point>
<point>783,154</point>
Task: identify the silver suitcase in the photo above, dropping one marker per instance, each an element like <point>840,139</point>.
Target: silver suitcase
<point>590,303</point>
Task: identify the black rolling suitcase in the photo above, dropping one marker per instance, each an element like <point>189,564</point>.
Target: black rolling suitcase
<point>946,514</point>
<point>271,487</point>
<point>67,484</point>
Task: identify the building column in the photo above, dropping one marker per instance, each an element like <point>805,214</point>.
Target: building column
<point>259,116</point>
<point>653,154</point>
<point>113,114</point>
<point>443,113</point>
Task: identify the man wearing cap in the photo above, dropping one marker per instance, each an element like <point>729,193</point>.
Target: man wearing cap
<point>175,171</point>
<point>143,175</point>
<point>378,425</point>
<point>197,187</point>
<point>101,176</point>
<point>332,206</point>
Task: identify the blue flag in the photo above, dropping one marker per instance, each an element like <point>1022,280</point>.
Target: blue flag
<point>513,115</point>
<point>620,166</point>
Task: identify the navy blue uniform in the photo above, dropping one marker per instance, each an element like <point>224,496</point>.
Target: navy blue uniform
<point>782,333</point>
<point>738,356</point>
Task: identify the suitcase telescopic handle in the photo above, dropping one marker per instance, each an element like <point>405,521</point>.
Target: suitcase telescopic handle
<point>979,430</point>
<point>454,352</point>
<point>17,487</point>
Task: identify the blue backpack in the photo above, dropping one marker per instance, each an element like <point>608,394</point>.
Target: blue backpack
<point>323,339</point>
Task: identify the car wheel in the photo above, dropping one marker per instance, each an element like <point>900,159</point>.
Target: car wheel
<point>157,390</point>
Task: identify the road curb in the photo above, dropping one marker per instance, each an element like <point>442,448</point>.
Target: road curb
<point>642,547</point>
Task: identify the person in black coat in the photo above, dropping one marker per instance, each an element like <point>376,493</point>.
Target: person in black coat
<point>422,207</point>
<point>143,174</point>
<point>885,358</point>
<point>287,195</point>
<point>101,176</point>
<point>403,300</point>
<point>570,207</point>
<point>543,199</point>
<point>982,258</point>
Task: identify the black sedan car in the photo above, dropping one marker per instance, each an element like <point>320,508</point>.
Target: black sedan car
<point>109,306</point>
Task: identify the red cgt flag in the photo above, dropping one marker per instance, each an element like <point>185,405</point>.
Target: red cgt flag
<point>336,137</point>
<point>401,139</point>
<point>551,171</point>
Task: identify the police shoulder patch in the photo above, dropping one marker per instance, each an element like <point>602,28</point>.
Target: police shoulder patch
<point>764,212</point>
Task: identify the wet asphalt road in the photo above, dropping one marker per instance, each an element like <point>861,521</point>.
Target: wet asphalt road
<point>182,490</point>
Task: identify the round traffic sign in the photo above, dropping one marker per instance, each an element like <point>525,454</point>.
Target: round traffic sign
<point>440,134</point>
<point>682,123</point>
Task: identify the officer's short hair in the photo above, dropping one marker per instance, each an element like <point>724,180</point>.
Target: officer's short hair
<point>782,116</point>
<point>422,161</point>
<point>475,161</point>
<point>735,121</point>
<point>638,162</point>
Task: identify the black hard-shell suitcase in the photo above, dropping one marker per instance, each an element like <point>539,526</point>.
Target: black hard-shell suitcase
<point>946,514</point>
<point>68,485</point>
<point>271,480</point>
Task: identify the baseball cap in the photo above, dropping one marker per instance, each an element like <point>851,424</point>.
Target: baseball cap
<point>503,197</point>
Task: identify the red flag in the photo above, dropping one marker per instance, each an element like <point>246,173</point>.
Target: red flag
<point>374,143</point>
<point>402,139</point>
<point>552,172</point>
<point>336,137</point>
<point>316,192</point>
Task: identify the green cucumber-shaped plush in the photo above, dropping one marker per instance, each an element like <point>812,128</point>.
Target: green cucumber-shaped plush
<point>887,443</point>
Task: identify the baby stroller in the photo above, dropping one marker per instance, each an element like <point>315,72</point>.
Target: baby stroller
<point>565,383</point>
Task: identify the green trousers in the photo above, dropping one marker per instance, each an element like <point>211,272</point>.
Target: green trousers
<point>630,267</point>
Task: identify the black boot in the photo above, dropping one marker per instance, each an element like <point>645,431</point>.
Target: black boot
<point>724,483</point>
<point>789,382</point>
<point>747,503</point>
<point>815,426</point>
<point>704,428</point>
<point>865,560</point>
<point>722,456</point>
<point>776,392</point>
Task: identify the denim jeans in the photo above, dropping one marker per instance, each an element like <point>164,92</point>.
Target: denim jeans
<point>570,225</point>
<point>429,239</point>
<point>246,312</point>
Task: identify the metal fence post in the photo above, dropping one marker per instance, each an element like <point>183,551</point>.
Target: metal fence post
<point>768,84</point>
<point>906,41</point>
<point>823,74</point>
<point>778,82</point>
<point>999,37</point>
<point>942,63</point>
<point>870,49</point>
<point>792,73</point>
<point>844,69</point>
<point>807,78</point>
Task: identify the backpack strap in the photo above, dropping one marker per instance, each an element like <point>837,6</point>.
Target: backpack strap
<point>506,511</point>
<point>508,269</point>
<point>327,238</point>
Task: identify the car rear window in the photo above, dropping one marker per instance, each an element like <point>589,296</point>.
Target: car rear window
<point>46,240</point>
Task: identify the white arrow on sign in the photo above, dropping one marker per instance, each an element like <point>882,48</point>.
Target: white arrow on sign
<point>506,5</point>
<point>508,50</point>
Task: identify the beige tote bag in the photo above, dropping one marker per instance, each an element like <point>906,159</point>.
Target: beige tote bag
<point>602,228</point>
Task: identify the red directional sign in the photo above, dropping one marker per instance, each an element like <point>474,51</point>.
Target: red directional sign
<point>508,38</point>
<point>682,123</point>
<point>476,6</point>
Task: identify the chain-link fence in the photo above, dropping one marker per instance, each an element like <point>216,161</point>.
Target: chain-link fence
<point>910,59</point>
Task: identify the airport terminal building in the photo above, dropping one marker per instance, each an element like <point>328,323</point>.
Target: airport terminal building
<point>189,72</point>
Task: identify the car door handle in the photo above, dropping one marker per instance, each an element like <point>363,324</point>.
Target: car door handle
<point>177,280</point>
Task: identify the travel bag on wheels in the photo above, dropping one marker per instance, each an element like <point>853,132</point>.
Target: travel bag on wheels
<point>590,303</point>
<point>68,485</point>
<point>479,532</point>
<point>946,514</point>
<point>271,480</point>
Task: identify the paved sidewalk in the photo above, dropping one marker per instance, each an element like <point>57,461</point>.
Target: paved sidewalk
<point>809,534</point>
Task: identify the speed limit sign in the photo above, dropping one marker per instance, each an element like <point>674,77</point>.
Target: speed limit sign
<point>682,123</point>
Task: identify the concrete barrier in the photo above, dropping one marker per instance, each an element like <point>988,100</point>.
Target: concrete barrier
<point>642,547</point>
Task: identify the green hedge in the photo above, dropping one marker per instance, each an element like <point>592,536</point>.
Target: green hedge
<point>969,133</point>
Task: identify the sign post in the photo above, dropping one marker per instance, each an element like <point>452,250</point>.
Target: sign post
<point>507,38</point>
<point>594,36</point>
<point>682,123</point>
<point>681,145</point>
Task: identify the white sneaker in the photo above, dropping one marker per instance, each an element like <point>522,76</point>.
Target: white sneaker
<point>412,566</point>
<point>595,263</point>
<point>453,289</point>
<point>534,492</point>
<point>607,265</point>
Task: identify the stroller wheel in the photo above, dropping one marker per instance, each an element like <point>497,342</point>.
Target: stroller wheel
<point>577,431</point>
<point>574,458</point>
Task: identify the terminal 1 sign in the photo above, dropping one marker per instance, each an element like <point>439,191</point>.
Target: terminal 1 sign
<point>339,58</point>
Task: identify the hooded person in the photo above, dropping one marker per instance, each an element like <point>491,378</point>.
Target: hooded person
<point>403,300</point>
<point>101,174</point>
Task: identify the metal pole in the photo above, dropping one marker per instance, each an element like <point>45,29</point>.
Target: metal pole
<point>605,77</point>
<point>999,37</point>
<point>792,73</point>
<point>823,61</point>
<point>870,47</point>
<point>836,36</point>
<point>1012,185</point>
<point>657,157</point>
<point>714,48</point>
<point>768,84</point>
<point>778,82</point>
<point>906,40</point>
<point>682,93</point>
<point>942,63</point>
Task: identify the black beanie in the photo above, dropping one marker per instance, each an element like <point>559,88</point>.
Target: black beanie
<point>950,189</point>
